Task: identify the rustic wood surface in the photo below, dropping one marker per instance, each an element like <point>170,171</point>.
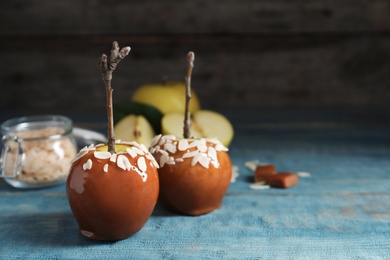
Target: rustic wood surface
<point>250,54</point>
<point>341,211</point>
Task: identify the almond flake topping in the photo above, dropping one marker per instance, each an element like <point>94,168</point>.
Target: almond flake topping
<point>170,147</point>
<point>190,154</point>
<point>212,153</point>
<point>131,152</point>
<point>123,162</point>
<point>205,153</point>
<point>142,164</point>
<point>171,161</point>
<point>102,155</point>
<point>163,159</point>
<point>87,165</point>
<point>113,157</point>
<point>155,140</point>
<point>138,150</point>
<point>183,145</point>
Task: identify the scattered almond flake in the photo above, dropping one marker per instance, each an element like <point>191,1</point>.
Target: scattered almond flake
<point>91,146</point>
<point>152,149</point>
<point>138,150</point>
<point>123,162</point>
<point>163,159</point>
<point>143,148</point>
<point>202,147</point>
<point>84,149</point>
<point>152,160</point>
<point>155,140</point>
<point>153,164</point>
<point>204,161</point>
<point>220,147</point>
<point>259,186</point>
<point>169,137</point>
<point>105,168</point>
<point>235,174</point>
<point>79,155</point>
<point>170,147</point>
<point>215,163</point>
<point>194,144</point>
<point>113,157</point>
<point>212,153</point>
<point>131,152</point>
<point>87,165</point>
<point>171,161</point>
<point>164,152</point>
<point>162,141</point>
<point>263,164</point>
<point>142,164</point>
<point>212,140</point>
<point>183,145</point>
<point>179,160</point>
<point>190,154</point>
<point>195,159</point>
<point>252,165</point>
<point>304,174</point>
<point>102,155</point>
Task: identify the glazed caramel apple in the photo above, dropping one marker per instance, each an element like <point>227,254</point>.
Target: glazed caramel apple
<point>112,188</point>
<point>194,173</point>
<point>112,195</point>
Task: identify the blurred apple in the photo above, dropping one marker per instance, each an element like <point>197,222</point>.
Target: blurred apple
<point>134,128</point>
<point>204,123</point>
<point>168,97</point>
<point>152,114</point>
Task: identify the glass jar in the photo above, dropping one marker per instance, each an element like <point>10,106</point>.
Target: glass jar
<point>37,151</point>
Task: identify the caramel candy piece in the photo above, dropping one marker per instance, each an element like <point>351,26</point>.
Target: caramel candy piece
<point>283,180</point>
<point>264,172</point>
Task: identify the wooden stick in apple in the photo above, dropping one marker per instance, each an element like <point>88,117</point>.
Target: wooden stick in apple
<point>107,67</point>
<point>187,115</point>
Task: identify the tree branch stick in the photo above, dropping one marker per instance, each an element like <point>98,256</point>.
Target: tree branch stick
<point>107,67</point>
<point>187,115</point>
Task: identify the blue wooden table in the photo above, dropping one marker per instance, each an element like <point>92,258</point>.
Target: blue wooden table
<point>342,211</point>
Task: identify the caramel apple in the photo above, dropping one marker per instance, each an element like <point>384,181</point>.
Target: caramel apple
<point>112,188</point>
<point>112,195</point>
<point>194,173</point>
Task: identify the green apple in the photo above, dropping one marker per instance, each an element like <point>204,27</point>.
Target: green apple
<point>134,128</point>
<point>168,97</point>
<point>204,123</point>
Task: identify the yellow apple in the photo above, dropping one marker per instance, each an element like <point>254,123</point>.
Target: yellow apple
<point>204,123</point>
<point>134,128</point>
<point>168,97</point>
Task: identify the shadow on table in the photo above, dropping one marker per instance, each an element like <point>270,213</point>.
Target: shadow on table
<point>44,229</point>
<point>58,229</point>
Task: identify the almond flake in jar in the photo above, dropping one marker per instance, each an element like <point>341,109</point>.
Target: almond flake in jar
<point>47,155</point>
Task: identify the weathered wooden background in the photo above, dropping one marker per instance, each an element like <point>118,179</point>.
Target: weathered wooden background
<point>249,54</point>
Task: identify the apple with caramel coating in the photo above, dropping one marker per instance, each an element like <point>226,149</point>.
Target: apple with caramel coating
<point>194,174</point>
<point>112,195</point>
<point>112,188</point>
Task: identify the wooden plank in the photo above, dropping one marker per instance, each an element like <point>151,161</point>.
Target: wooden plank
<point>249,72</point>
<point>341,211</point>
<point>161,17</point>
